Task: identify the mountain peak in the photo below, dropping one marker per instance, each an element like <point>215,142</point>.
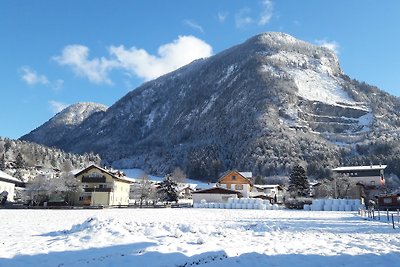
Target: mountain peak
<point>76,113</point>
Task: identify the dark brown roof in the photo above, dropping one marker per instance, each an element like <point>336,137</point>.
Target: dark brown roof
<point>217,190</point>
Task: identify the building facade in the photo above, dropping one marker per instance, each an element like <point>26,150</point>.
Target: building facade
<point>7,185</point>
<point>238,181</point>
<point>102,187</point>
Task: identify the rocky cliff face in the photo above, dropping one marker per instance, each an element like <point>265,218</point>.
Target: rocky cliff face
<point>260,106</point>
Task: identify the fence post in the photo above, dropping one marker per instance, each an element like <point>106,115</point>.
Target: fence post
<point>373,214</point>
<point>387,214</point>
<point>379,215</point>
<point>398,217</point>
<point>393,221</point>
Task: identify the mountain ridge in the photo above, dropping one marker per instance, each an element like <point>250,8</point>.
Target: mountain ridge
<point>263,106</point>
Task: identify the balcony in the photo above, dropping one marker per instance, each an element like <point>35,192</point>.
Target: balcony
<point>103,189</point>
<point>93,179</point>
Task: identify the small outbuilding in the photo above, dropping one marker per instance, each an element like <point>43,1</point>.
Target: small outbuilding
<point>215,195</point>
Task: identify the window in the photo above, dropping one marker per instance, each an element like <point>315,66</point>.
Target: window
<point>239,187</point>
<point>228,186</point>
<point>102,186</point>
<point>387,200</point>
<point>233,177</point>
<point>372,182</point>
<point>398,199</point>
<point>80,198</point>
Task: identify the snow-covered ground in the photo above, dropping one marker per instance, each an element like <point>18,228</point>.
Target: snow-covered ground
<point>194,237</point>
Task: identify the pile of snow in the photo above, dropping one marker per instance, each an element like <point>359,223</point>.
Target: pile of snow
<point>194,237</point>
<point>239,203</point>
<point>334,205</point>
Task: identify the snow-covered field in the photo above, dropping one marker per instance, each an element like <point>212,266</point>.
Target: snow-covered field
<point>194,237</point>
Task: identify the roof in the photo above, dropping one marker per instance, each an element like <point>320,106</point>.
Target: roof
<point>268,186</point>
<point>239,173</point>
<point>112,174</point>
<point>7,177</point>
<point>246,174</point>
<point>360,168</point>
<point>217,190</point>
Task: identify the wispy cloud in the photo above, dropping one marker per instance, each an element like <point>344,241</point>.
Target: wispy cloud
<point>243,18</point>
<point>134,60</point>
<point>56,106</point>
<point>193,24</point>
<point>266,13</point>
<point>332,45</point>
<point>77,57</point>
<point>246,17</point>
<point>31,77</point>
<point>222,16</point>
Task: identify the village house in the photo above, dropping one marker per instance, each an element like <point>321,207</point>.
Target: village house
<point>274,192</point>
<point>7,185</point>
<point>370,180</point>
<point>185,190</point>
<point>372,175</point>
<point>238,181</point>
<point>102,187</point>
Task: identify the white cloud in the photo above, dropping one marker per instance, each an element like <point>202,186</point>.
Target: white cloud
<point>31,77</point>
<point>222,16</point>
<point>135,61</point>
<point>76,57</point>
<point>193,24</point>
<point>170,57</point>
<point>243,18</point>
<point>56,106</point>
<point>332,45</point>
<point>266,13</point>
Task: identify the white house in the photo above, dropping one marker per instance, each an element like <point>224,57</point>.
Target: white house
<point>7,184</point>
<point>372,175</point>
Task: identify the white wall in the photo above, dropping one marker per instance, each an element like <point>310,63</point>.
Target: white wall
<point>212,198</point>
<point>10,188</point>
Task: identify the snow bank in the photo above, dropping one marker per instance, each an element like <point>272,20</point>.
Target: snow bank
<point>194,237</point>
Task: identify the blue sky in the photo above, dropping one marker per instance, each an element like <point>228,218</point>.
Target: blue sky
<point>56,53</point>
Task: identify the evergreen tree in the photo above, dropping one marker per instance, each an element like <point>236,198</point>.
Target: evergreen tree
<point>19,161</point>
<point>168,190</point>
<point>298,182</point>
<point>2,163</point>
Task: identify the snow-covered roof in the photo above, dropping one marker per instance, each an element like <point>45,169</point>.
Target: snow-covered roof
<point>246,174</point>
<point>8,177</point>
<point>182,186</point>
<point>268,186</point>
<point>360,168</point>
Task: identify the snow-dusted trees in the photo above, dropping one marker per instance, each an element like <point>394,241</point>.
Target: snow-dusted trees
<point>42,187</point>
<point>298,182</point>
<point>143,190</point>
<point>168,190</point>
<point>339,186</point>
<point>178,175</point>
<point>2,163</point>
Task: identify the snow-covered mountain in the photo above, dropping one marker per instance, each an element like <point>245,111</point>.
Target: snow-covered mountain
<point>53,131</point>
<point>260,106</point>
